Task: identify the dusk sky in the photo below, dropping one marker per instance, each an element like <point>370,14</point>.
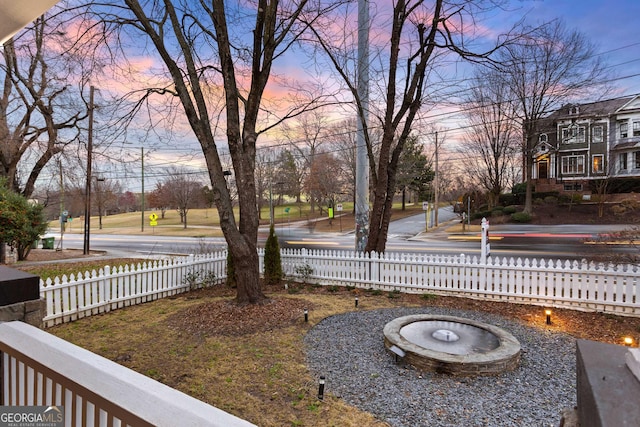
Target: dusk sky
<point>608,25</point>
<point>611,26</point>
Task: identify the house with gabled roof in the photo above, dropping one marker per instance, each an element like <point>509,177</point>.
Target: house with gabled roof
<point>582,143</point>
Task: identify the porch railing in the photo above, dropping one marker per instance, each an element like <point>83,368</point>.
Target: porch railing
<point>37,368</point>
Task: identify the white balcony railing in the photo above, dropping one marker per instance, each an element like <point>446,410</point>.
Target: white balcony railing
<point>37,368</point>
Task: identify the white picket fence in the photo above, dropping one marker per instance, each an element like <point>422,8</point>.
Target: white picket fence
<point>553,283</point>
<point>570,284</point>
<point>90,293</point>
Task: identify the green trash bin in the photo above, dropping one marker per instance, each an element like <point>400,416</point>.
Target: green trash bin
<point>47,242</point>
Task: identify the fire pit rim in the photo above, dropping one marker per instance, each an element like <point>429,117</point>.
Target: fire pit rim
<point>505,357</point>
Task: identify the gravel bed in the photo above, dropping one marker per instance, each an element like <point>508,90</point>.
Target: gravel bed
<point>348,349</point>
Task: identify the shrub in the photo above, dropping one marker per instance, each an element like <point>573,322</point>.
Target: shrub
<point>630,204</point>
<point>192,279</point>
<point>520,217</point>
<point>272,262</point>
<point>481,214</point>
<point>304,271</point>
<point>509,199</point>
<point>394,294</point>
<point>576,198</point>
<point>618,210</point>
<point>508,210</point>
<point>21,222</point>
<point>520,188</point>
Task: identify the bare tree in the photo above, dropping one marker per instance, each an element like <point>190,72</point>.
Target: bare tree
<point>106,197</point>
<point>264,176</point>
<point>550,66</point>
<point>491,145</point>
<point>306,135</point>
<point>343,143</point>
<point>40,113</point>
<point>185,188</point>
<point>128,202</point>
<point>323,183</point>
<point>420,32</point>
<point>214,51</point>
<point>160,198</point>
<point>604,183</point>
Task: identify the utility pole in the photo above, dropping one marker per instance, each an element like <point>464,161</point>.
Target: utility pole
<point>362,161</point>
<point>87,188</point>
<point>436,180</point>
<point>61,204</point>
<point>142,199</point>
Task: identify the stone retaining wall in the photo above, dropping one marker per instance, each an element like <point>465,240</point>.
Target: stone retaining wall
<point>30,312</point>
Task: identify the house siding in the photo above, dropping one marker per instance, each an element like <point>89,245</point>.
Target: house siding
<point>583,143</point>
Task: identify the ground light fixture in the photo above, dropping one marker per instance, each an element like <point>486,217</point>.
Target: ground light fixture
<point>321,387</point>
<point>356,302</point>
<point>397,352</point>
<point>628,341</point>
<point>306,314</point>
<point>548,314</point>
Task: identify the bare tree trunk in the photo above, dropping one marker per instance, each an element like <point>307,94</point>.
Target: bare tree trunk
<point>250,293</point>
<point>528,173</point>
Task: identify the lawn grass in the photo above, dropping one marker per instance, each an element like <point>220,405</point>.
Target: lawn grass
<point>206,223</point>
<point>48,270</point>
<point>260,377</point>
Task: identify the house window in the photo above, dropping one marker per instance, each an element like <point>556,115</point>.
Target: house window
<point>636,160</point>
<point>572,165</point>
<point>623,161</point>
<point>624,129</point>
<point>572,187</point>
<point>598,163</point>
<point>598,134</point>
<point>543,138</point>
<point>573,134</point>
<point>636,128</point>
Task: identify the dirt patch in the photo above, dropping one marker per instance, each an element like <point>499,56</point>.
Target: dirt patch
<point>230,319</point>
<point>38,255</point>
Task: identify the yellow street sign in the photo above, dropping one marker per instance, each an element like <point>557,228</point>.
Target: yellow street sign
<point>153,223</point>
<point>153,217</point>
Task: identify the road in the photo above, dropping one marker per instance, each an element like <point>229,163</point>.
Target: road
<point>405,235</point>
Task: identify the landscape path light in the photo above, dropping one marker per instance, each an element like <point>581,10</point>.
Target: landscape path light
<point>321,388</point>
